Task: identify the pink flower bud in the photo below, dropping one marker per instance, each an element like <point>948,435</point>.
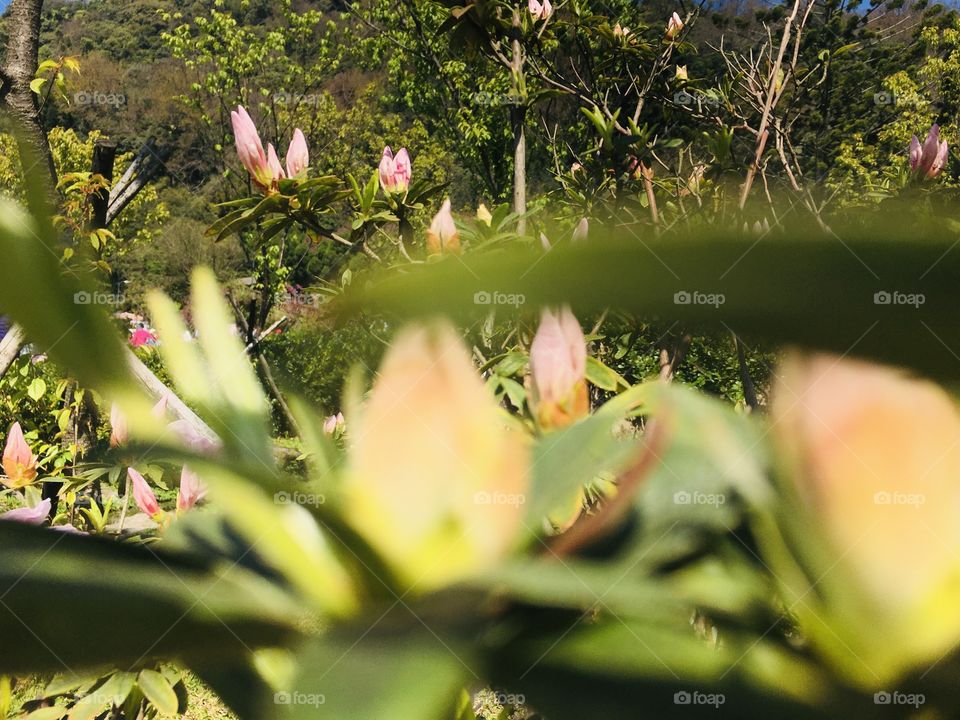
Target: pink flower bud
<point>298,156</point>
<point>581,231</point>
<point>334,424</point>
<point>540,11</point>
<point>250,148</point>
<point>31,516</point>
<point>674,26</point>
<point>395,172</point>
<point>143,495</point>
<point>273,163</point>
<point>442,235</point>
<point>928,160</point>
<point>160,409</point>
<point>119,432</point>
<point>558,365</point>
<point>19,462</point>
<point>192,490</point>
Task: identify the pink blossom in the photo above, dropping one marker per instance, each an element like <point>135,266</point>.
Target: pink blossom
<point>250,148</point>
<point>119,431</point>
<point>298,155</point>
<point>540,11</point>
<point>558,362</point>
<point>674,26</point>
<point>192,490</point>
<point>333,424</point>
<point>143,495</point>
<point>30,515</point>
<point>928,160</point>
<point>19,462</point>
<point>442,235</point>
<point>273,163</point>
<point>395,172</point>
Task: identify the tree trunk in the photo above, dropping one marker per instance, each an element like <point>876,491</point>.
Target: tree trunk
<point>671,355</point>
<point>10,347</point>
<point>518,116</point>
<point>104,155</point>
<point>20,66</point>
<point>749,390</point>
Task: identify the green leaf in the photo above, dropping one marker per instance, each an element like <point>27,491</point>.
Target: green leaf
<point>565,460</point>
<point>54,712</point>
<point>394,669</point>
<point>37,389</point>
<point>36,85</point>
<point>160,603</point>
<point>112,692</point>
<point>780,289</point>
<point>67,324</point>
<point>604,377</point>
<point>158,691</point>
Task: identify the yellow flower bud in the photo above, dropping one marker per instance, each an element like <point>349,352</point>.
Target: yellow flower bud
<point>436,481</point>
<point>875,460</point>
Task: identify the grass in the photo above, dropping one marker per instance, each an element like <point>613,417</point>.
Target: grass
<point>203,703</point>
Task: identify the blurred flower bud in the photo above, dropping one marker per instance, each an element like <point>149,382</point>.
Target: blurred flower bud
<point>192,490</point>
<point>334,424</point>
<point>483,215</point>
<point>581,231</point>
<point>442,235</point>
<point>436,481</point>
<point>875,462</point>
<point>119,430</point>
<point>558,364</point>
